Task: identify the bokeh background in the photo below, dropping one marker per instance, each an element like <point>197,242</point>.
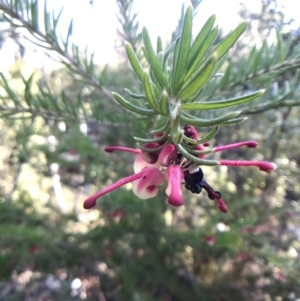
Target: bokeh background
<point>128,249</point>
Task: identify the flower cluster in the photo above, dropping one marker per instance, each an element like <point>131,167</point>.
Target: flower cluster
<point>166,162</point>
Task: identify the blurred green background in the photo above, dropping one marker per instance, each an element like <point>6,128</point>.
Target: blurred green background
<point>130,249</point>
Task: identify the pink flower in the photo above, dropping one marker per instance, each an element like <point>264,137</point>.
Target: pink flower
<point>145,180</point>
<point>151,168</point>
<point>146,186</point>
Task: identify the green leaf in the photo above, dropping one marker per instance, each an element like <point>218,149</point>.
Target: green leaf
<point>162,129</point>
<point>188,119</point>
<point>159,139</point>
<point>189,156</point>
<point>134,62</point>
<point>223,47</point>
<point>179,67</point>
<point>13,96</point>
<point>202,52</point>
<point>156,83</point>
<point>234,121</point>
<point>175,58</point>
<point>226,77</point>
<point>56,20</point>
<point>214,131</point>
<point>47,19</point>
<point>164,103</point>
<point>70,32</point>
<point>135,95</point>
<point>128,105</point>
<point>27,93</point>
<point>256,62</point>
<point>159,47</point>
<point>35,14</point>
<point>220,104</point>
<point>167,53</point>
<point>206,151</point>
<point>198,80</point>
<point>200,40</point>
<point>157,69</point>
<point>149,93</point>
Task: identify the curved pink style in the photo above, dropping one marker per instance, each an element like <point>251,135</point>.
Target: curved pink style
<point>110,149</point>
<point>146,186</point>
<point>91,201</point>
<point>250,143</point>
<point>174,176</point>
<point>262,165</point>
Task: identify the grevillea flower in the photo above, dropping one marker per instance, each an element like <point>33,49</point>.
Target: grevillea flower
<point>162,160</point>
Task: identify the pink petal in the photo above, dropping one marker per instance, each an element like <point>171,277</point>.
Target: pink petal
<point>174,176</point>
<point>91,201</point>
<point>146,186</point>
<point>139,164</point>
<point>167,155</point>
<point>262,165</point>
<point>150,157</point>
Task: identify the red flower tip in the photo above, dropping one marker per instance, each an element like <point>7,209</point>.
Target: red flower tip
<point>267,166</point>
<point>223,208</point>
<point>252,144</point>
<point>109,149</point>
<point>90,202</point>
<point>222,205</point>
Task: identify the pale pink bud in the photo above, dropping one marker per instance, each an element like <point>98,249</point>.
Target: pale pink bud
<point>191,132</point>
<point>174,176</point>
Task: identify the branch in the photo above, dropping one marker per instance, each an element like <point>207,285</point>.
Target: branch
<point>53,115</point>
<point>52,42</point>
